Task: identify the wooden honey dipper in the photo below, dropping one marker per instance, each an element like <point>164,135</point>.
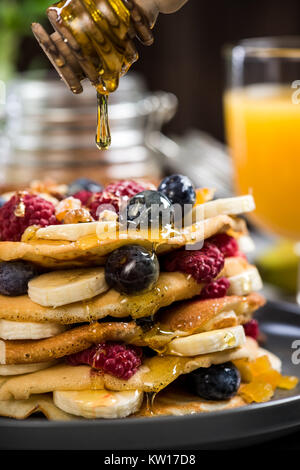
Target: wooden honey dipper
<point>73,62</point>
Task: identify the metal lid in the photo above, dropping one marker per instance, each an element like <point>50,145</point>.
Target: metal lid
<point>43,115</point>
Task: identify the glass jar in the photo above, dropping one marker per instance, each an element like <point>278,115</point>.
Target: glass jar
<point>50,133</point>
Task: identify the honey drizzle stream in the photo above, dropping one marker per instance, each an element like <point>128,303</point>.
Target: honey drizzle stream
<point>103,138</point>
<point>150,397</point>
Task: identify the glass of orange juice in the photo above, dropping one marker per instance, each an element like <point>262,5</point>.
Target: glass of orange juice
<point>262,118</point>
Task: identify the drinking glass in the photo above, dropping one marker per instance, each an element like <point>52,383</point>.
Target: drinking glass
<point>262,119</point>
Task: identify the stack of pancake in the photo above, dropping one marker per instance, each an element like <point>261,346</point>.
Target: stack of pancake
<point>70,308</point>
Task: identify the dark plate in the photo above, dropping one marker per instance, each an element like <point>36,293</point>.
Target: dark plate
<point>217,430</point>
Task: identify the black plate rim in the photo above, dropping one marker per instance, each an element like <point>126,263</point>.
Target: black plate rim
<point>285,306</point>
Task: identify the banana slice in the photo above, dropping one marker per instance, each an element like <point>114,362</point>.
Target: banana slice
<point>18,369</point>
<point>246,282</point>
<point>72,232</point>
<point>93,404</point>
<point>13,330</point>
<point>65,287</point>
<point>207,342</point>
<point>228,206</point>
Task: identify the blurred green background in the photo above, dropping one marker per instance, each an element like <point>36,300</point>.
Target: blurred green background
<point>16,17</point>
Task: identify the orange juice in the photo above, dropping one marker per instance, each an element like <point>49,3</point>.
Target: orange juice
<point>263,133</point>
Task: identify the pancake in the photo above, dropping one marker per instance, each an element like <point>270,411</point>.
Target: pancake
<point>22,409</point>
<point>31,369</point>
<point>182,319</point>
<point>90,250</point>
<point>71,341</point>
<point>174,400</point>
<point>202,315</point>
<point>178,402</point>
<point>170,287</point>
<point>154,374</point>
<point>163,405</point>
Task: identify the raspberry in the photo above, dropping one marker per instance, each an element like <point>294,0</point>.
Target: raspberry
<point>215,289</point>
<point>82,357</point>
<point>226,244</point>
<point>83,196</point>
<point>106,201</point>
<point>116,359</point>
<point>125,188</point>
<point>252,329</point>
<point>113,195</point>
<point>204,265</point>
<point>22,211</point>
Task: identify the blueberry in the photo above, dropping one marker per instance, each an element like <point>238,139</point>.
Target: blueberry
<point>14,277</point>
<point>131,269</point>
<point>84,184</point>
<point>149,209</point>
<point>217,382</point>
<point>2,201</point>
<point>179,190</point>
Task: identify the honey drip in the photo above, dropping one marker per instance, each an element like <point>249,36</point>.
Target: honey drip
<point>20,207</point>
<point>103,138</point>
